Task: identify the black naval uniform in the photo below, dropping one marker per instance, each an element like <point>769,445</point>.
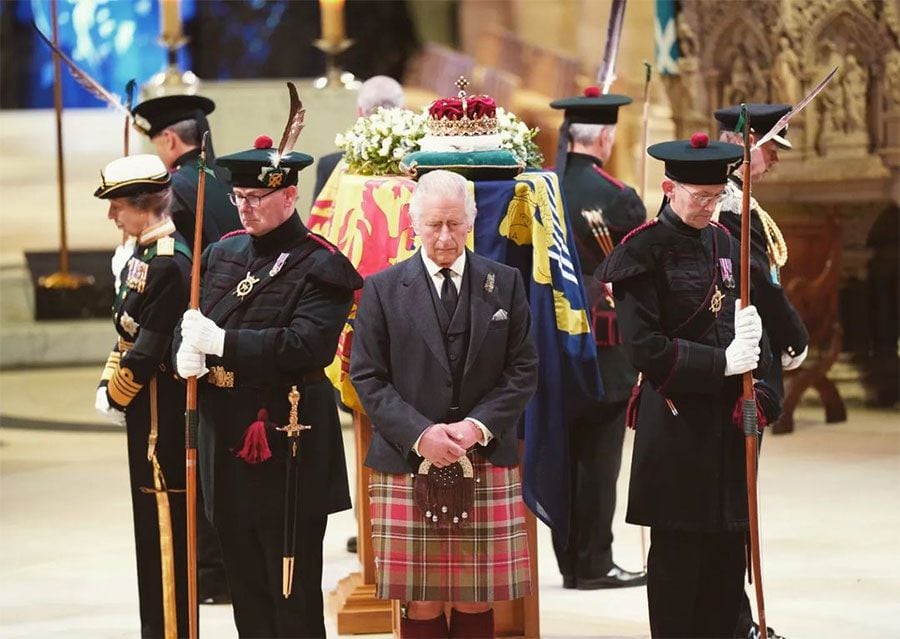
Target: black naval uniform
<point>151,299</point>
<point>688,478</point>
<point>281,332</point>
<point>219,214</point>
<point>597,435</point>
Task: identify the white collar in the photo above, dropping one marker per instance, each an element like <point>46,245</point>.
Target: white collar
<point>458,266</point>
<point>152,233</point>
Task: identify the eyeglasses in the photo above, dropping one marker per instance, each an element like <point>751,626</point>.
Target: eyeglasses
<point>703,200</point>
<point>253,201</point>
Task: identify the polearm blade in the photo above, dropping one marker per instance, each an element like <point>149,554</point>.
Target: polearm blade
<point>748,412</point>
<point>800,106</point>
<point>606,75</point>
<point>191,415</point>
<point>292,431</point>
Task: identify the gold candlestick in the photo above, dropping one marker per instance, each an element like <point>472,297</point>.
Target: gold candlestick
<point>171,80</point>
<point>334,75</point>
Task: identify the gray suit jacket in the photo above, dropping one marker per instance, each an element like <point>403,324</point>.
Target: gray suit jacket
<point>400,369</point>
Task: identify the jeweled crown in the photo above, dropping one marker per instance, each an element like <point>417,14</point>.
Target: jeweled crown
<point>463,115</point>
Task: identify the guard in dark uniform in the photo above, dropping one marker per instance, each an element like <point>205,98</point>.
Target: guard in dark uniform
<point>139,389</point>
<point>176,127</point>
<point>784,329</point>
<point>274,300</point>
<point>676,284</point>
<point>601,211</point>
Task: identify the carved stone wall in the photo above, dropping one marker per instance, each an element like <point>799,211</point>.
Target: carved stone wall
<point>846,157</point>
<point>778,50</point>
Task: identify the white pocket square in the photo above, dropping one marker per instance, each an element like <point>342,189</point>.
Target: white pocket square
<point>500,316</point>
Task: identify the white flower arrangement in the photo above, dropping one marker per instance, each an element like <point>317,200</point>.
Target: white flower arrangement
<point>376,144</point>
<point>518,138</point>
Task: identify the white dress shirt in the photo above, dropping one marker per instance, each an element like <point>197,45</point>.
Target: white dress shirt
<point>437,279</point>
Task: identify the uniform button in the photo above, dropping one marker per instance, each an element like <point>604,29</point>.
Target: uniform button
<point>449,383</point>
<point>450,338</point>
<point>452,358</point>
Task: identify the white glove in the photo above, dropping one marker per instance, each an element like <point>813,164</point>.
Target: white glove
<point>120,258</point>
<point>747,324</point>
<point>741,356</point>
<point>101,403</point>
<point>789,363</point>
<point>202,334</point>
<point>189,362</point>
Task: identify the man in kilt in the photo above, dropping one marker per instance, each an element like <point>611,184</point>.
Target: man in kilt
<point>444,365</point>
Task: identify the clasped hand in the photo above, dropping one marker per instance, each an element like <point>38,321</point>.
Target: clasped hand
<point>442,444</point>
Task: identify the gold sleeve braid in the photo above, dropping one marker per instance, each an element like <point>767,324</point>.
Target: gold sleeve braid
<point>111,366</point>
<point>122,387</point>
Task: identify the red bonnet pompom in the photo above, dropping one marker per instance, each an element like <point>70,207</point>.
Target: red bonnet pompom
<point>262,142</point>
<point>699,140</point>
<point>592,92</point>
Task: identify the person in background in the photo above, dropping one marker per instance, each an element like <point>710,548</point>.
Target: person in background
<point>379,91</point>
<point>596,202</point>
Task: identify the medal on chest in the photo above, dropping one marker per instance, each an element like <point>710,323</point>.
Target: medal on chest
<point>137,275</point>
<point>245,286</point>
<point>727,272</point>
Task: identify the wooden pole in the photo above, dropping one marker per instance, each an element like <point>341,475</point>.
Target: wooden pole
<point>751,436</point>
<point>191,414</point>
<point>60,171</point>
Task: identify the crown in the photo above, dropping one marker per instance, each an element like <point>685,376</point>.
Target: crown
<point>463,115</point>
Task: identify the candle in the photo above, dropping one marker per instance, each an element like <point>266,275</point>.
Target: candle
<point>332,20</point>
<point>170,19</point>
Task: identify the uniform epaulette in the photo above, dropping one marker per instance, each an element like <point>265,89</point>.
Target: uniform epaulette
<point>720,226</point>
<point>645,225</point>
<point>233,234</point>
<point>318,239</point>
<point>615,181</point>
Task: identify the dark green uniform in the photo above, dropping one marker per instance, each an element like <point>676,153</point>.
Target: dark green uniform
<point>585,557</point>
<point>281,332</point>
<point>219,215</point>
<point>151,299</point>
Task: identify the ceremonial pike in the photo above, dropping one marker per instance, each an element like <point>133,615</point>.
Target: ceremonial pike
<point>606,75</point>
<point>749,417</point>
<point>782,122</point>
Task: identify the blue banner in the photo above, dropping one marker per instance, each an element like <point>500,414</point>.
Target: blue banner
<point>522,223</point>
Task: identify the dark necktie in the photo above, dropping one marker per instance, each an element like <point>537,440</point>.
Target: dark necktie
<point>449,294</point>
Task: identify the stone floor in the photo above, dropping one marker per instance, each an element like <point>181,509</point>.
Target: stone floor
<point>830,504</point>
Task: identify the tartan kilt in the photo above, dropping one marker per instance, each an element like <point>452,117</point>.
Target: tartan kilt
<point>484,560</point>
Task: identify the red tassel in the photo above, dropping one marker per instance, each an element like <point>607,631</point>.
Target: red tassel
<point>631,411</point>
<point>737,415</point>
<point>255,448</point>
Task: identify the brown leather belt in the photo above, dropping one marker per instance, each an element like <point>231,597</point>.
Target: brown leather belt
<point>220,377</point>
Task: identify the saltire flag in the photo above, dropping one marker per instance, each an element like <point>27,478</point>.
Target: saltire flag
<point>521,223</point>
<point>666,36</point>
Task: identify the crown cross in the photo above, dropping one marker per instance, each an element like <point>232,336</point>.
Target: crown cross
<point>462,84</point>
